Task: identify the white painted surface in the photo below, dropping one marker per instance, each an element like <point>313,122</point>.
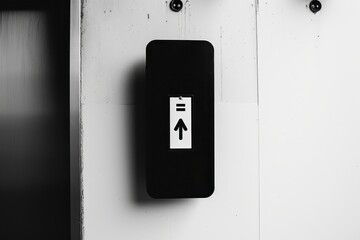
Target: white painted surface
<point>180,108</point>
<point>309,115</point>
<point>309,120</point>
<point>114,37</point>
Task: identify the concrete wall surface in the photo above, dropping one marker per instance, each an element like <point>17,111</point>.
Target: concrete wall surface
<point>287,132</point>
<point>114,37</point>
<point>309,114</point>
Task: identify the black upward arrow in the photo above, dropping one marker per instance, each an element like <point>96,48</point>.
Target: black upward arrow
<point>180,126</point>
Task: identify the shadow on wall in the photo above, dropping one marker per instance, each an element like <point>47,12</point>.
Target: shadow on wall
<point>137,163</point>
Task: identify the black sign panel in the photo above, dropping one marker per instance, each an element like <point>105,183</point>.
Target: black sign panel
<point>180,119</point>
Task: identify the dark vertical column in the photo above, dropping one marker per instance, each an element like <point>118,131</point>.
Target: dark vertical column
<point>34,121</point>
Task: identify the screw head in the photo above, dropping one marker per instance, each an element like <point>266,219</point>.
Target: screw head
<point>176,5</point>
<point>315,6</point>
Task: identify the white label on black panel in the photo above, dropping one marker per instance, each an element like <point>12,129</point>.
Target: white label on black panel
<point>180,123</point>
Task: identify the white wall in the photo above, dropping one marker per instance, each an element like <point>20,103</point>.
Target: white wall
<point>309,120</point>
<point>306,141</point>
<point>114,37</point>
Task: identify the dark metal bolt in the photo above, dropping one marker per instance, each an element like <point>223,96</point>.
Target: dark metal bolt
<point>176,5</point>
<point>315,6</point>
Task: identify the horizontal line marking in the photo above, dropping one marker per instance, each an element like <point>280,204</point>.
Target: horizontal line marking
<point>180,104</point>
<point>180,109</point>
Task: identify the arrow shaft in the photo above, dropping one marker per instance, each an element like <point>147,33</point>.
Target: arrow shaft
<point>180,133</point>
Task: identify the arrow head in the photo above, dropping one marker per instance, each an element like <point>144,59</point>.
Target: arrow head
<point>180,124</point>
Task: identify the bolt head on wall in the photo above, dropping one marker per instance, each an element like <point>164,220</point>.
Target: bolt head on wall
<point>315,6</point>
<point>176,5</point>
